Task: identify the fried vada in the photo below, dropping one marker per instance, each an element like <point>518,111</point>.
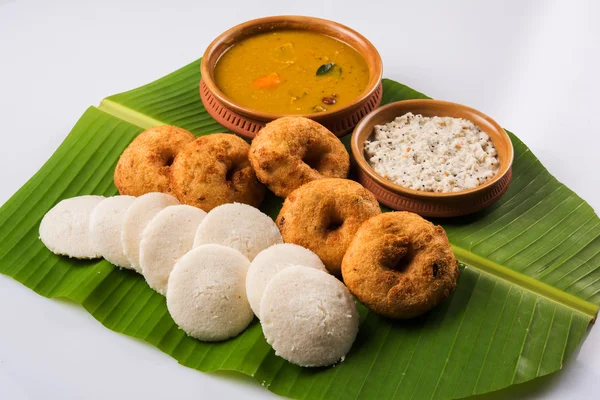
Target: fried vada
<point>400,265</point>
<point>214,170</point>
<point>292,151</point>
<point>145,164</point>
<point>323,216</point>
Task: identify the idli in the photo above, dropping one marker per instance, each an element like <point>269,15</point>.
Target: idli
<point>308,316</point>
<point>168,236</point>
<point>105,225</point>
<point>239,226</point>
<point>138,216</point>
<point>65,229</point>
<point>207,293</point>
<point>271,261</point>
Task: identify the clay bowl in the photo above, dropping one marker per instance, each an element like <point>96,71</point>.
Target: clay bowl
<point>431,204</point>
<point>247,122</point>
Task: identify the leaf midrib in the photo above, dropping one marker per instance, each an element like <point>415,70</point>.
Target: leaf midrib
<point>524,281</point>
<point>129,115</point>
<point>464,256</point>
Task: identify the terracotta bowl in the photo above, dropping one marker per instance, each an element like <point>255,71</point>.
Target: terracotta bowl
<point>431,204</point>
<point>247,122</point>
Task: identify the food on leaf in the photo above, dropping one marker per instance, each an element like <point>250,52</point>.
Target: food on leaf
<point>145,164</point>
<point>106,222</point>
<point>309,317</point>
<point>167,237</point>
<point>137,218</point>
<point>271,261</point>
<point>324,215</point>
<point>239,226</point>
<point>214,170</point>
<point>207,293</point>
<point>400,265</point>
<point>65,229</point>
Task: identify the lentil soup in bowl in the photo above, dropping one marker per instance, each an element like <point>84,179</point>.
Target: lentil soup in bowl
<point>273,67</point>
<point>432,157</point>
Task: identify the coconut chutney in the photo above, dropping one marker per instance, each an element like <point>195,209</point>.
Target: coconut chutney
<point>432,154</point>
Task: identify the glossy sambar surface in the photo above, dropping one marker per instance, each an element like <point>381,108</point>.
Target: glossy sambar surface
<point>291,72</point>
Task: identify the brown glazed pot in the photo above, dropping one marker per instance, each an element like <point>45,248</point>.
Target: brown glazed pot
<point>431,204</point>
<point>247,122</point>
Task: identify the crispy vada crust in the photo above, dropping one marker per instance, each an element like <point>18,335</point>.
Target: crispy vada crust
<point>292,151</point>
<point>400,265</point>
<point>324,215</point>
<point>214,170</point>
<point>144,165</point>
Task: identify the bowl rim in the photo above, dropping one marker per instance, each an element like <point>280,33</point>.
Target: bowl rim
<point>267,116</point>
<point>357,150</point>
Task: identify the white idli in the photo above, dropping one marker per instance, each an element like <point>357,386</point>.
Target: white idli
<point>138,216</point>
<point>239,226</point>
<point>65,229</point>
<point>105,225</point>
<point>271,261</point>
<point>207,293</point>
<point>168,236</point>
<point>308,316</point>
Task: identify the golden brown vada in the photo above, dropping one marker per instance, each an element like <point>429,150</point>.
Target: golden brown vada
<point>400,265</point>
<point>292,151</point>
<point>214,170</point>
<point>323,216</point>
<point>144,165</point>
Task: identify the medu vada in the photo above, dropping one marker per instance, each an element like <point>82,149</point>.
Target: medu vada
<point>324,215</point>
<point>400,265</point>
<point>145,164</point>
<point>292,151</point>
<point>214,170</point>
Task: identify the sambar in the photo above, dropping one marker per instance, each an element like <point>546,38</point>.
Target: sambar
<point>291,72</point>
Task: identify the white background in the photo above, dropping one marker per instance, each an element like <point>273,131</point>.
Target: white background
<point>531,65</point>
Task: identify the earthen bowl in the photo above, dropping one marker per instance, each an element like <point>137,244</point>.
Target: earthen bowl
<point>431,204</point>
<point>247,122</point>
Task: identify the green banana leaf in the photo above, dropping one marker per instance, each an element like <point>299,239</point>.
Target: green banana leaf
<point>528,289</point>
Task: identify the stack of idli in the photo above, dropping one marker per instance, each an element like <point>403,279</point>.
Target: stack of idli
<point>207,294</point>
<point>307,315</point>
<point>217,270</point>
<point>168,236</point>
<point>206,291</point>
<point>88,227</point>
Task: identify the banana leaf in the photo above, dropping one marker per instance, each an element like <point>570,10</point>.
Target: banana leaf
<point>528,290</point>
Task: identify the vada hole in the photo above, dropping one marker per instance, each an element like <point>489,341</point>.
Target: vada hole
<point>230,173</point>
<point>334,226</point>
<point>334,223</point>
<point>399,259</point>
<point>313,159</point>
<point>435,270</point>
<point>168,159</point>
<point>401,265</point>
